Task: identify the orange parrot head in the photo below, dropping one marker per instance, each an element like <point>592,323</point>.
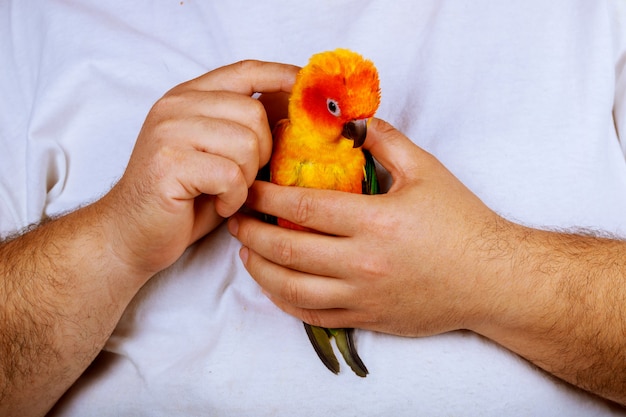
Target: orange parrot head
<point>336,94</point>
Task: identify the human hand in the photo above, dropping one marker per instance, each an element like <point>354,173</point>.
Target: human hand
<point>407,262</point>
<point>198,151</point>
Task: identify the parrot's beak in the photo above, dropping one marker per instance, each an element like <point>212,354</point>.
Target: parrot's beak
<point>355,130</point>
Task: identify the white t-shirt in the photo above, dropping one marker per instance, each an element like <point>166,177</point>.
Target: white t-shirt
<point>523,101</point>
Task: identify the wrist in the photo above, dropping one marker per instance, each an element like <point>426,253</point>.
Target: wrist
<point>508,286</point>
<point>111,230</point>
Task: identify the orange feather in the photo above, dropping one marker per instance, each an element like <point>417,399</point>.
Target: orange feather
<point>309,149</point>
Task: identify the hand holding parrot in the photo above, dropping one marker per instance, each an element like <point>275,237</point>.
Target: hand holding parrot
<point>403,262</point>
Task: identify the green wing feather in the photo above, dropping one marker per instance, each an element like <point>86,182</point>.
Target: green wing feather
<point>370,180</point>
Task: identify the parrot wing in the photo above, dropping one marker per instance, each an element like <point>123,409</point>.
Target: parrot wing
<point>370,179</point>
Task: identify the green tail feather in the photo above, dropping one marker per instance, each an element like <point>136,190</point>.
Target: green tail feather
<point>345,343</point>
<point>320,339</point>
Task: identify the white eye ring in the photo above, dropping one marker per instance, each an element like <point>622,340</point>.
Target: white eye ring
<point>333,107</point>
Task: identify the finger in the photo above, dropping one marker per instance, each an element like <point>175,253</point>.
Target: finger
<point>223,138</point>
<point>204,173</point>
<point>204,218</point>
<point>237,108</point>
<point>295,288</point>
<point>303,251</point>
<point>321,210</point>
<point>247,112</point>
<point>247,77</point>
<point>329,318</point>
<point>395,152</point>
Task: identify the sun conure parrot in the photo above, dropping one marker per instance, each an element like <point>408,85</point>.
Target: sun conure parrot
<point>319,146</point>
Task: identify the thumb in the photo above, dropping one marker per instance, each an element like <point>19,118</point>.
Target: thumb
<point>394,151</point>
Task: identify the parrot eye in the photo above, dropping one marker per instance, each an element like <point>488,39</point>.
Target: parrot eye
<point>333,107</point>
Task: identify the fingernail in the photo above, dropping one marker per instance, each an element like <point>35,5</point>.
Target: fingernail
<point>243,254</point>
<point>233,226</point>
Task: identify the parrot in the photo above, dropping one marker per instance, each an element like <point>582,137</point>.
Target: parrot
<point>318,145</point>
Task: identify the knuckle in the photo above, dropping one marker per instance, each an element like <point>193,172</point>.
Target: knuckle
<point>165,129</point>
<point>257,113</point>
<point>304,208</point>
<point>164,160</point>
<point>327,318</point>
<point>284,253</point>
<point>248,144</point>
<point>314,318</point>
<point>246,66</point>
<point>168,102</point>
<point>232,176</point>
<point>384,127</point>
<point>291,292</point>
<point>229,182</point>
<point>373,267</point>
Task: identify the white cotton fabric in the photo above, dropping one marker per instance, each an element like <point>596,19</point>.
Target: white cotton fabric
<point>522,100</point>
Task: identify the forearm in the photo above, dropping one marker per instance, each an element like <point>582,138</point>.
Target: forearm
<point>563,307</point>
<point>63,291</point>
<point>429,257</point>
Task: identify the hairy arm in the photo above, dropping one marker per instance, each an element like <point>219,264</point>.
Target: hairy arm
<point>564,305</point>
<point>62,292</point>
<point>429,257</point>
<point>65,284</point>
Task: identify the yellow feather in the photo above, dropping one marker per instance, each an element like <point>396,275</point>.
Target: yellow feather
<point>309,150</point>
